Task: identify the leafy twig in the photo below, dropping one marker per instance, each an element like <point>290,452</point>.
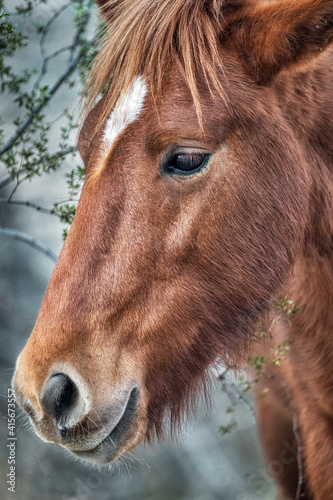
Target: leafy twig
<point>58,154</point>
<point>38,107</point>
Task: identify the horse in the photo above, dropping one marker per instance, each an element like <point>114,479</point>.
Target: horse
<point>207,198</point>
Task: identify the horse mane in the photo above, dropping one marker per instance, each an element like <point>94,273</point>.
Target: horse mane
<point>145,37</point>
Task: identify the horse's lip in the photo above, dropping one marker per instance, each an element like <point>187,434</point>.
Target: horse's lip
<point>106,450</point>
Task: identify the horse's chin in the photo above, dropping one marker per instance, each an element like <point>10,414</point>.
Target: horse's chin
<point>107,451</point>
<point>128,433</point>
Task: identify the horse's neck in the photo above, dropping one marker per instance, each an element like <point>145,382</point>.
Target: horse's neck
<point>311,110</point>
<point>312,291</point>
<point>311,286</point>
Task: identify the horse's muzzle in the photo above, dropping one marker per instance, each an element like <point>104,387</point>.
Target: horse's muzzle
<point>64,414</point>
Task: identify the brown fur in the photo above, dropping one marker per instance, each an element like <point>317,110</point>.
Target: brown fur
<point>159,275</point>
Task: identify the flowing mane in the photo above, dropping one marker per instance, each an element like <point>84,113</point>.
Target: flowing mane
<point>144,37</point>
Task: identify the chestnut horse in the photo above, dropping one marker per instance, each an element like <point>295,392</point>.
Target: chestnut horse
<point>208,195</point>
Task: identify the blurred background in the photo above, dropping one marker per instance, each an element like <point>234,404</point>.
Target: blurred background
<point>203,464</point>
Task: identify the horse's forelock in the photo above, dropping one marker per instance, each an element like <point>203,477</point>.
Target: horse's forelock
<point>144,38</point>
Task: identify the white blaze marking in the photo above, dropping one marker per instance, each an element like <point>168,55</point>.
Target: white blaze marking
<point>126,111</point>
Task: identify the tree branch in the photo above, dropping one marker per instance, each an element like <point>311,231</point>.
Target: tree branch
<point>29,240</point>
<point>46,61</point>
<point>42,41</point>
<point>5,181</point>
<point>28,204</point>
<point>48,25</point>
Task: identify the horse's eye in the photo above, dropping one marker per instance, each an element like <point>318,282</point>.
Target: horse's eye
<point>186,163</point>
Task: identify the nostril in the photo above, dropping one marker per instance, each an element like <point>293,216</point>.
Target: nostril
<point>60,399</point>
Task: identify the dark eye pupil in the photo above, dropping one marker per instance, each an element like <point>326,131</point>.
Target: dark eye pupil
<point>188,162</point>
<point>185,163</point>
